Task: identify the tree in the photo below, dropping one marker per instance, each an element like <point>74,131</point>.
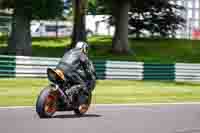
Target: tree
<point>120,40</point>
<point>119,10</point>
<point>159,18</point>
<point>79,31</point>
<point>80,9</point>
<point>156,16</point>
<point>23,12</point>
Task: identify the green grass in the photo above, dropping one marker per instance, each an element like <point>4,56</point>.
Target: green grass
<point>20,92</point>
<point>146,50</point>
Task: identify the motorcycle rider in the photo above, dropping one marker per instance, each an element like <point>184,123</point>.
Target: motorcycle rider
<point>75,65</point>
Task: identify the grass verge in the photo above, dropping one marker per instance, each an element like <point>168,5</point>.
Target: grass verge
<point>146,50</point>
<point>23,92</point>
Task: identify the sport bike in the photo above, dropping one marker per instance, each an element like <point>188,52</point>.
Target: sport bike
<point>54,97</point>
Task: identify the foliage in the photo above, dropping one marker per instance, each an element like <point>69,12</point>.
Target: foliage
<point>36,9</point>
<point>99,7</point>
<point>160,18</point>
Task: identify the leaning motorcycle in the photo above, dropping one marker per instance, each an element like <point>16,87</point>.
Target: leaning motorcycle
<point>54,97</point>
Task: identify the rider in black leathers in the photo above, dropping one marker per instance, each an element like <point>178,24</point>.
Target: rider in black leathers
<point>76,66</point>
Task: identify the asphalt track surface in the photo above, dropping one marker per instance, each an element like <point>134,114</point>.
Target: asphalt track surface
<point>181,118</point>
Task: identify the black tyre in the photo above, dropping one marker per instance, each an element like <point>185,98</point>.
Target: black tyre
<point>86,105</point>
<point>46,103</point>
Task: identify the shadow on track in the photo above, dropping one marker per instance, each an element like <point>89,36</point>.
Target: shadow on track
<point>76,116</point>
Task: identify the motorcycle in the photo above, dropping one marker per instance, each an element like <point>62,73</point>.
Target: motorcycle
<point>54,97</point>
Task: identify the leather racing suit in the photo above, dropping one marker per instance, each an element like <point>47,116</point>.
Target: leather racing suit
<point>75,65</point>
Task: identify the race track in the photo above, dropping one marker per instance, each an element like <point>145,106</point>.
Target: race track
<point>179,118</point>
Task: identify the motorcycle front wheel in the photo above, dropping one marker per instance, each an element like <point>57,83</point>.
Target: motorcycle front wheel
<point>46,104</point>
<point>84,106</point>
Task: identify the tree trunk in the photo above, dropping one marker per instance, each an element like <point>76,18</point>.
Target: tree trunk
<point>19,42</point>
<point>79,31</point>
<point>120,40</point>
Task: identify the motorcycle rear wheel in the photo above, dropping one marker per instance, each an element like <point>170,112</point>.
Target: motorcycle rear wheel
<point>46,104</point>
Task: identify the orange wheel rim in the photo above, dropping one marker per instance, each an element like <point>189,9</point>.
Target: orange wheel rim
<point>50,104</point>
<point>83,108</point>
